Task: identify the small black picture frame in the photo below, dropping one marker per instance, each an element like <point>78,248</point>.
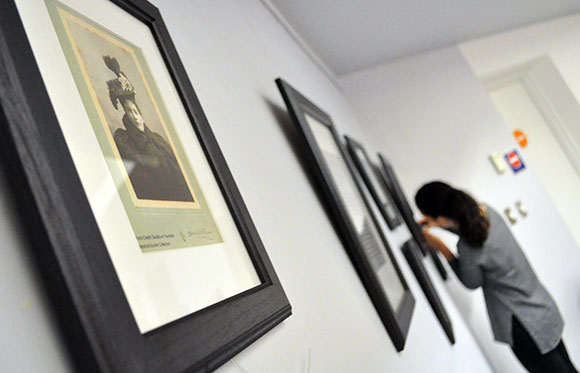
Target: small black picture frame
<point>414,258</point>
<point>392,183</point>
<point>62,231</point>
<point>376,187</point>
<point>363,239</point>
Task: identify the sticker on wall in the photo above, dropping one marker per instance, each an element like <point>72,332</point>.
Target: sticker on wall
<point>515,161</point>
<point>521,138</point>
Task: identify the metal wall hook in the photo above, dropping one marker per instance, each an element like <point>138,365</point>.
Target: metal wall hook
<point>521,209</point>
<point>510,215</point>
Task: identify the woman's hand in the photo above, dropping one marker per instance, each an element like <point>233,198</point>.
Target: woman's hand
<point>436,244</point>
<point>432,241</point>
<point>427,222</point>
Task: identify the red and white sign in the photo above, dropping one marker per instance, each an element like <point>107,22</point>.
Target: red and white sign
<point>514,160</point>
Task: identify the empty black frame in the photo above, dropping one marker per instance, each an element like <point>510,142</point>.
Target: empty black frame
<point>411,252</point>
<point>371,177</point>
<point>61,228</point>
<point>363,249</point>
<point>392,183</point>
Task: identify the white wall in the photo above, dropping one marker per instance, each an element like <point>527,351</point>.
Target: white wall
<point>232,53</point>
<point>434,119</point>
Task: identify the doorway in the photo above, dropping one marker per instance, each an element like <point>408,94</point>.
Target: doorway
<point>534,98</point>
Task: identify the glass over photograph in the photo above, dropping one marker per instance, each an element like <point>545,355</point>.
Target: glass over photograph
<point>154,178</point>
<point>359,215</point>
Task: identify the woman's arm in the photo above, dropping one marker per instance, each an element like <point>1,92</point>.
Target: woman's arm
<point>465,266</point>
<point>435,243</point>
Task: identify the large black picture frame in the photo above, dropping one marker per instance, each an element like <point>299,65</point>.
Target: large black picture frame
<point>369,173</point>
<point>414,258</point>
<point>391,182</point>
<point>396,321</point>
<point>62,231</point>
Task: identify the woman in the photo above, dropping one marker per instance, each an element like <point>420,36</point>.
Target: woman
<point>148,157</point>
<point>522,313</point>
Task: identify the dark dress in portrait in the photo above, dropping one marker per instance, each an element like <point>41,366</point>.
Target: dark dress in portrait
<point>151,164</point>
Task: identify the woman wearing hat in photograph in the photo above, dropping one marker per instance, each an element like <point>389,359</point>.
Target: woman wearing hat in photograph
<point>149,159</point>
<point>521,311</point>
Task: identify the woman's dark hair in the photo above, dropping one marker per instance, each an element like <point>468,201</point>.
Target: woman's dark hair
<point>439,199</point>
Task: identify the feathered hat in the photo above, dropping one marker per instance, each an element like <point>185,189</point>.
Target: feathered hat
<point>120,88</point>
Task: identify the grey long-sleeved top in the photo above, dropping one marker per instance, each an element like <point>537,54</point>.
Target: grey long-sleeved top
<point>510,286</point>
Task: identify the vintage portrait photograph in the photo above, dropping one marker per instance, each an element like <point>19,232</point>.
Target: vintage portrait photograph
<point>133,117</point>
<point>153,176</point>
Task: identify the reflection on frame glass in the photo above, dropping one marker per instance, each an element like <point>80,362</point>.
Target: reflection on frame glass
<point>380,194</point>
<point>352,215</point>
<point>148,248</point>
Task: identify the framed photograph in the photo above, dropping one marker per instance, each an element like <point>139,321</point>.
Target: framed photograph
<point>151,255</point>
<point>377,189</point>
<point>347,202</point>
<point>414,258</point>
<point>391,182</point>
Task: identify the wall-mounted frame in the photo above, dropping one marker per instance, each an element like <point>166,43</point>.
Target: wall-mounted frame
<point>392,184</point>
<point>151,255</point>
<point>414,258</point>
<point>376,187</point>
<point>347,202</point>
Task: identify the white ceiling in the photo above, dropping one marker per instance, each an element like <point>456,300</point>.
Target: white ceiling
<point>353,35</point>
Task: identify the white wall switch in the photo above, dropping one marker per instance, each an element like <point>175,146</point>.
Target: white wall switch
<point>498,162</point>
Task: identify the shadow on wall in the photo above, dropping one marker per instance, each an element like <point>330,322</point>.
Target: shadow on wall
<point>45,269</point>
<point>288,129</point>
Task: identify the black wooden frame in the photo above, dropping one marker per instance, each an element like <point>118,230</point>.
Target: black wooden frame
<point>413,250</point>
<point>395,321</point>
<point>97,321</point>
<point>414,258</point>
<point>352,146</point>
<point>391,182</point>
